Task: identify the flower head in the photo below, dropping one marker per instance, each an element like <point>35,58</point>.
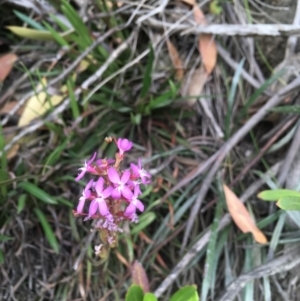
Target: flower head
<point>124,145</point>
<point>85,195</point>
<point>99,203</point>
<point>140,172</point>
<point>86,168</point>
<point>134,204</point>
<point>120,183</point>
<point>110,189</point>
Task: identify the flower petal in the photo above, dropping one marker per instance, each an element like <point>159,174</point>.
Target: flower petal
<point>89,184</point>
<point>125,176</point>
<point>139,163</point>
<point>130,210</point>
<point>107,192</point>
<point>80,205</point>
<point>134,168</point>
<point>93,207</point>
<point>92,159</point>
<point>99,186</point>
<point>103,207</point>
<point>116,194</point>
<point>113,175</point>
<point>127,193</point>
<point>137,190</point>
<point>139,205</point>
<point>80,175</point>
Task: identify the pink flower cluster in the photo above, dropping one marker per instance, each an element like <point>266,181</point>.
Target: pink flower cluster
<point>113,196</point>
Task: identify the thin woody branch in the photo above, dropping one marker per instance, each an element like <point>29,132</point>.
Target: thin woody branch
<point>231,29</point>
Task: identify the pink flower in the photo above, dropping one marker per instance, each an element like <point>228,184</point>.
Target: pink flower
<point>133,184</point>
<point>124,145</point>
<point>86,168</point>
<point>141,172</point>
<point>99,202</point>
<point>104,163</point>
<point>134,204</point>
<point>120,184</point>
<point>85,195</point>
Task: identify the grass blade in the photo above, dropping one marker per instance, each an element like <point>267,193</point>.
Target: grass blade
<point>37,192</point>
<point>47,229</point>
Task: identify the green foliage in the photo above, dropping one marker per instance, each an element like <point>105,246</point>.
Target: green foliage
<point>289,203</point>
<point>145,220</point>
<point>210,267</point>
<point>149,297</point>
<point>293,109</point>
<point>47,229</point>
<point>286,199</point>
<point>275,195</point>
<point>134,293</point>
<point>37,192</point>
<point>147,79</point>
<point>187,293</point>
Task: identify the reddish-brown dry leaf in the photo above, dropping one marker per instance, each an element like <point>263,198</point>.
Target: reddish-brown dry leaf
<point>161,261</point>
<point>207,46</point>
<point>176,61</point>
<point>139,276</point>
<point>9,106</point>
<point>208,51</point>
<point>6,64</point>
<point>241,216</point>
<point>122,259</point>
<point>199,17</point>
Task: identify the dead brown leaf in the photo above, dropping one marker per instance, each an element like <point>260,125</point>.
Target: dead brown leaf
<point>208,51</point>
<point>6,109</point>
<point>199,17</point>
<point>241,216</point>
<point>6,63</point>
<point>176,60</point>
<point>207,46</point>
<point>196,84</point>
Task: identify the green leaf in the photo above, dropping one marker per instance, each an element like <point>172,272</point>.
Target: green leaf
<point>47,229</point>
<point>83,32</point>
<point>144,220</point>
<point>149,297</point>
<point>21,202</point>
<point>289,203</point>
<point>58,38</point>
<point>274,195</point>
<point>4,238</point>
<point>1,257</point>
<point>37,192</point>
<point>147,79</point>
<point>28,33</point>
<point>211,253</point>
<point>259,91</point>
<point>161,101</point>
<point>187,293</point>
<point>29,21</point>
<point>135,293</point>
<point>294,109</point>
